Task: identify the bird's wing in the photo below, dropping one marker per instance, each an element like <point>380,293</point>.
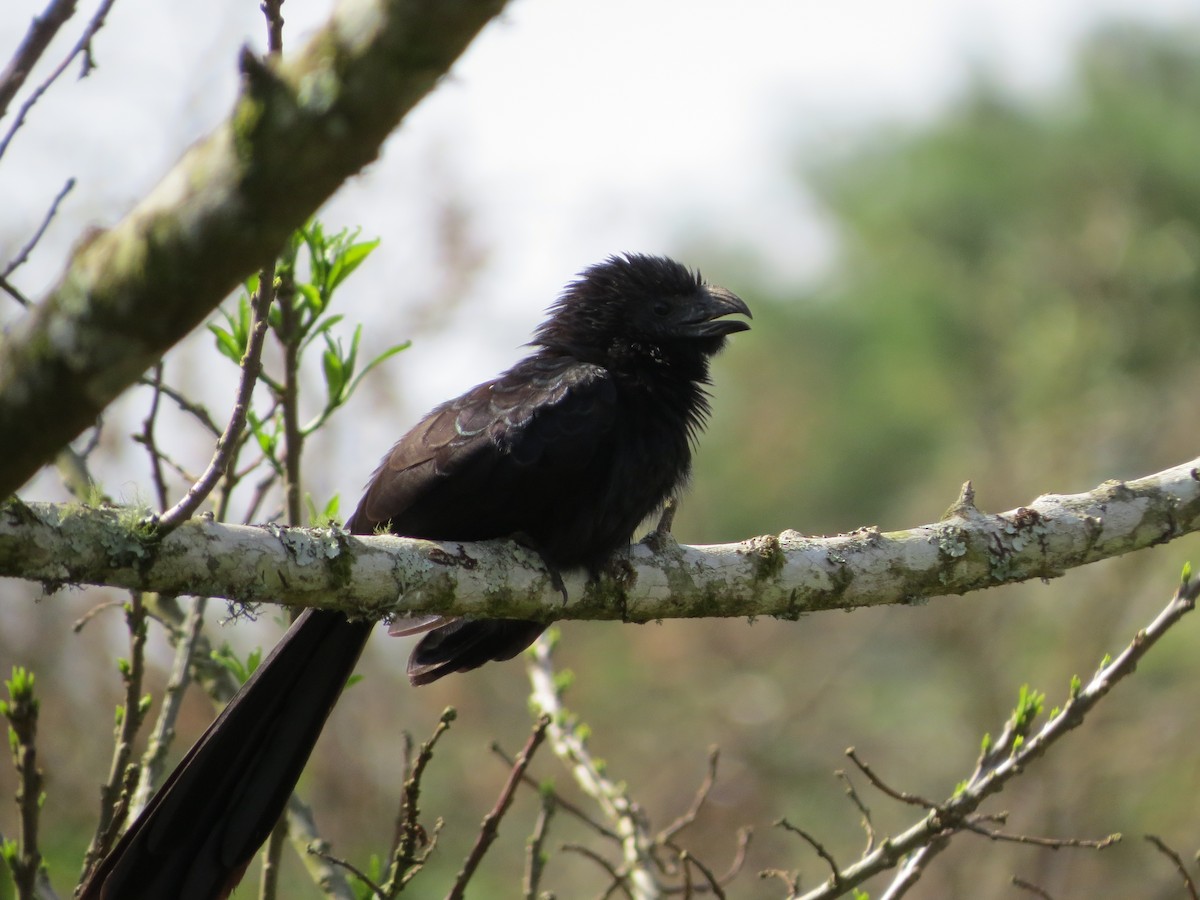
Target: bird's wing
<point>479,467</point>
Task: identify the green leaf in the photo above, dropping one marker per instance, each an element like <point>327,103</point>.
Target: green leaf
<point>349,260</point>
<point>386,354</point>
<point>226,343</point>
<point>322,327</point>
<point>326,516</point>
<point>335,372</point>
<point>241,670</point>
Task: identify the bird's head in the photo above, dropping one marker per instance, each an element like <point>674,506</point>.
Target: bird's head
<point>647,306</point>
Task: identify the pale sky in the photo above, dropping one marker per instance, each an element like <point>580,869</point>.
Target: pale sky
<point>569,131</point>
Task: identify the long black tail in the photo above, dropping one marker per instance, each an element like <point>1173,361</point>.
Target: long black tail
<point>200,831</point>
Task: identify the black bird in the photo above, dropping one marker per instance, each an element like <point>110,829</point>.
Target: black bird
<point>568,451</point>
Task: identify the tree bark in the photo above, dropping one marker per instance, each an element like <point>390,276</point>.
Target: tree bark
<point>783,575</point>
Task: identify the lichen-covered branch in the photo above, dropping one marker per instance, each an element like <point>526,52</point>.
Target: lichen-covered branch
<point>296,132</point>
<point>782,575</point>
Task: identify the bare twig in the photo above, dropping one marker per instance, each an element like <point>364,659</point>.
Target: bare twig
<point>790,879</point>
<point>41,32</point>
<point>868,827</point>
<point>13,291</point>
<point>406,859</point>
<point>82,46</point>
<point>289,335</point>
<point>1037,841</point>
<point>23,254</point>
<point>193,409</point>
<point>251,363</point>
<point>147,438</point>
<point>1032,888</point>
<point>313,852</point>
<point>619,881</point>
<point>835,877</point>
<point>118,788</point>
<point>491,822</point>
<point>338,862</point>
<point>1180,867</point>
<point>884,787</point>
<point>714,883</point>
<point>706,786</point>
<point>406,764</point>
<point>155,757</point>
<point>535,847</point>
<point>562,802</point>
<point>272,851</point>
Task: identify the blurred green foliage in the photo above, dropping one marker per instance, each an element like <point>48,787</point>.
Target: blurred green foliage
<point>1015,300</point>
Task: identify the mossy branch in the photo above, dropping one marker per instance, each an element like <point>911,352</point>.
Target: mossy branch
<point>296,132</point>
<point>783,575</point>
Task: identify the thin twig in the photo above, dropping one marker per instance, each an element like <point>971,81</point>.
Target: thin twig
<point>118,788</point>
<point>706,786</point>
<point>1180,866</point>
<point>289,335</point>
<point>788,878</point>
<point>867,825</point>
<point>81,46</point>
<point>406,763</point>
<point>23,254</point>
<point>881,785</point>
<point>491,822</point>
<point>251,363</point>
<point>159,743</point>
<point>268,878</point>
<point>41,32</point>
<point>405,860</point>
<point>1036,841</point>
<point>535,852</point>
<point>566,805</point>
<point>148,439</point>
<point>1032,888</point>
<point>835,877</point>
<point>339,863</point>
<point>713,883</point>
<point>618,880</point>
<point>193,409</point>
<point>313,851</point>
<point>13,291</point>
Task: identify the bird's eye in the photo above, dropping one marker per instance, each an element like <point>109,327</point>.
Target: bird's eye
<point>661,308</point>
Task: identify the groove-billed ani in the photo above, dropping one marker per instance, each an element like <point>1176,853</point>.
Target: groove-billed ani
<point>569,450</point>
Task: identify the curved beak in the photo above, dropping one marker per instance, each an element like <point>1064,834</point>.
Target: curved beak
<point>707,314</point>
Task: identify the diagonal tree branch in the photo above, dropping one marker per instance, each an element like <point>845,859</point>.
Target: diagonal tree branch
<point>783,575</point>
<point>295,134</point>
